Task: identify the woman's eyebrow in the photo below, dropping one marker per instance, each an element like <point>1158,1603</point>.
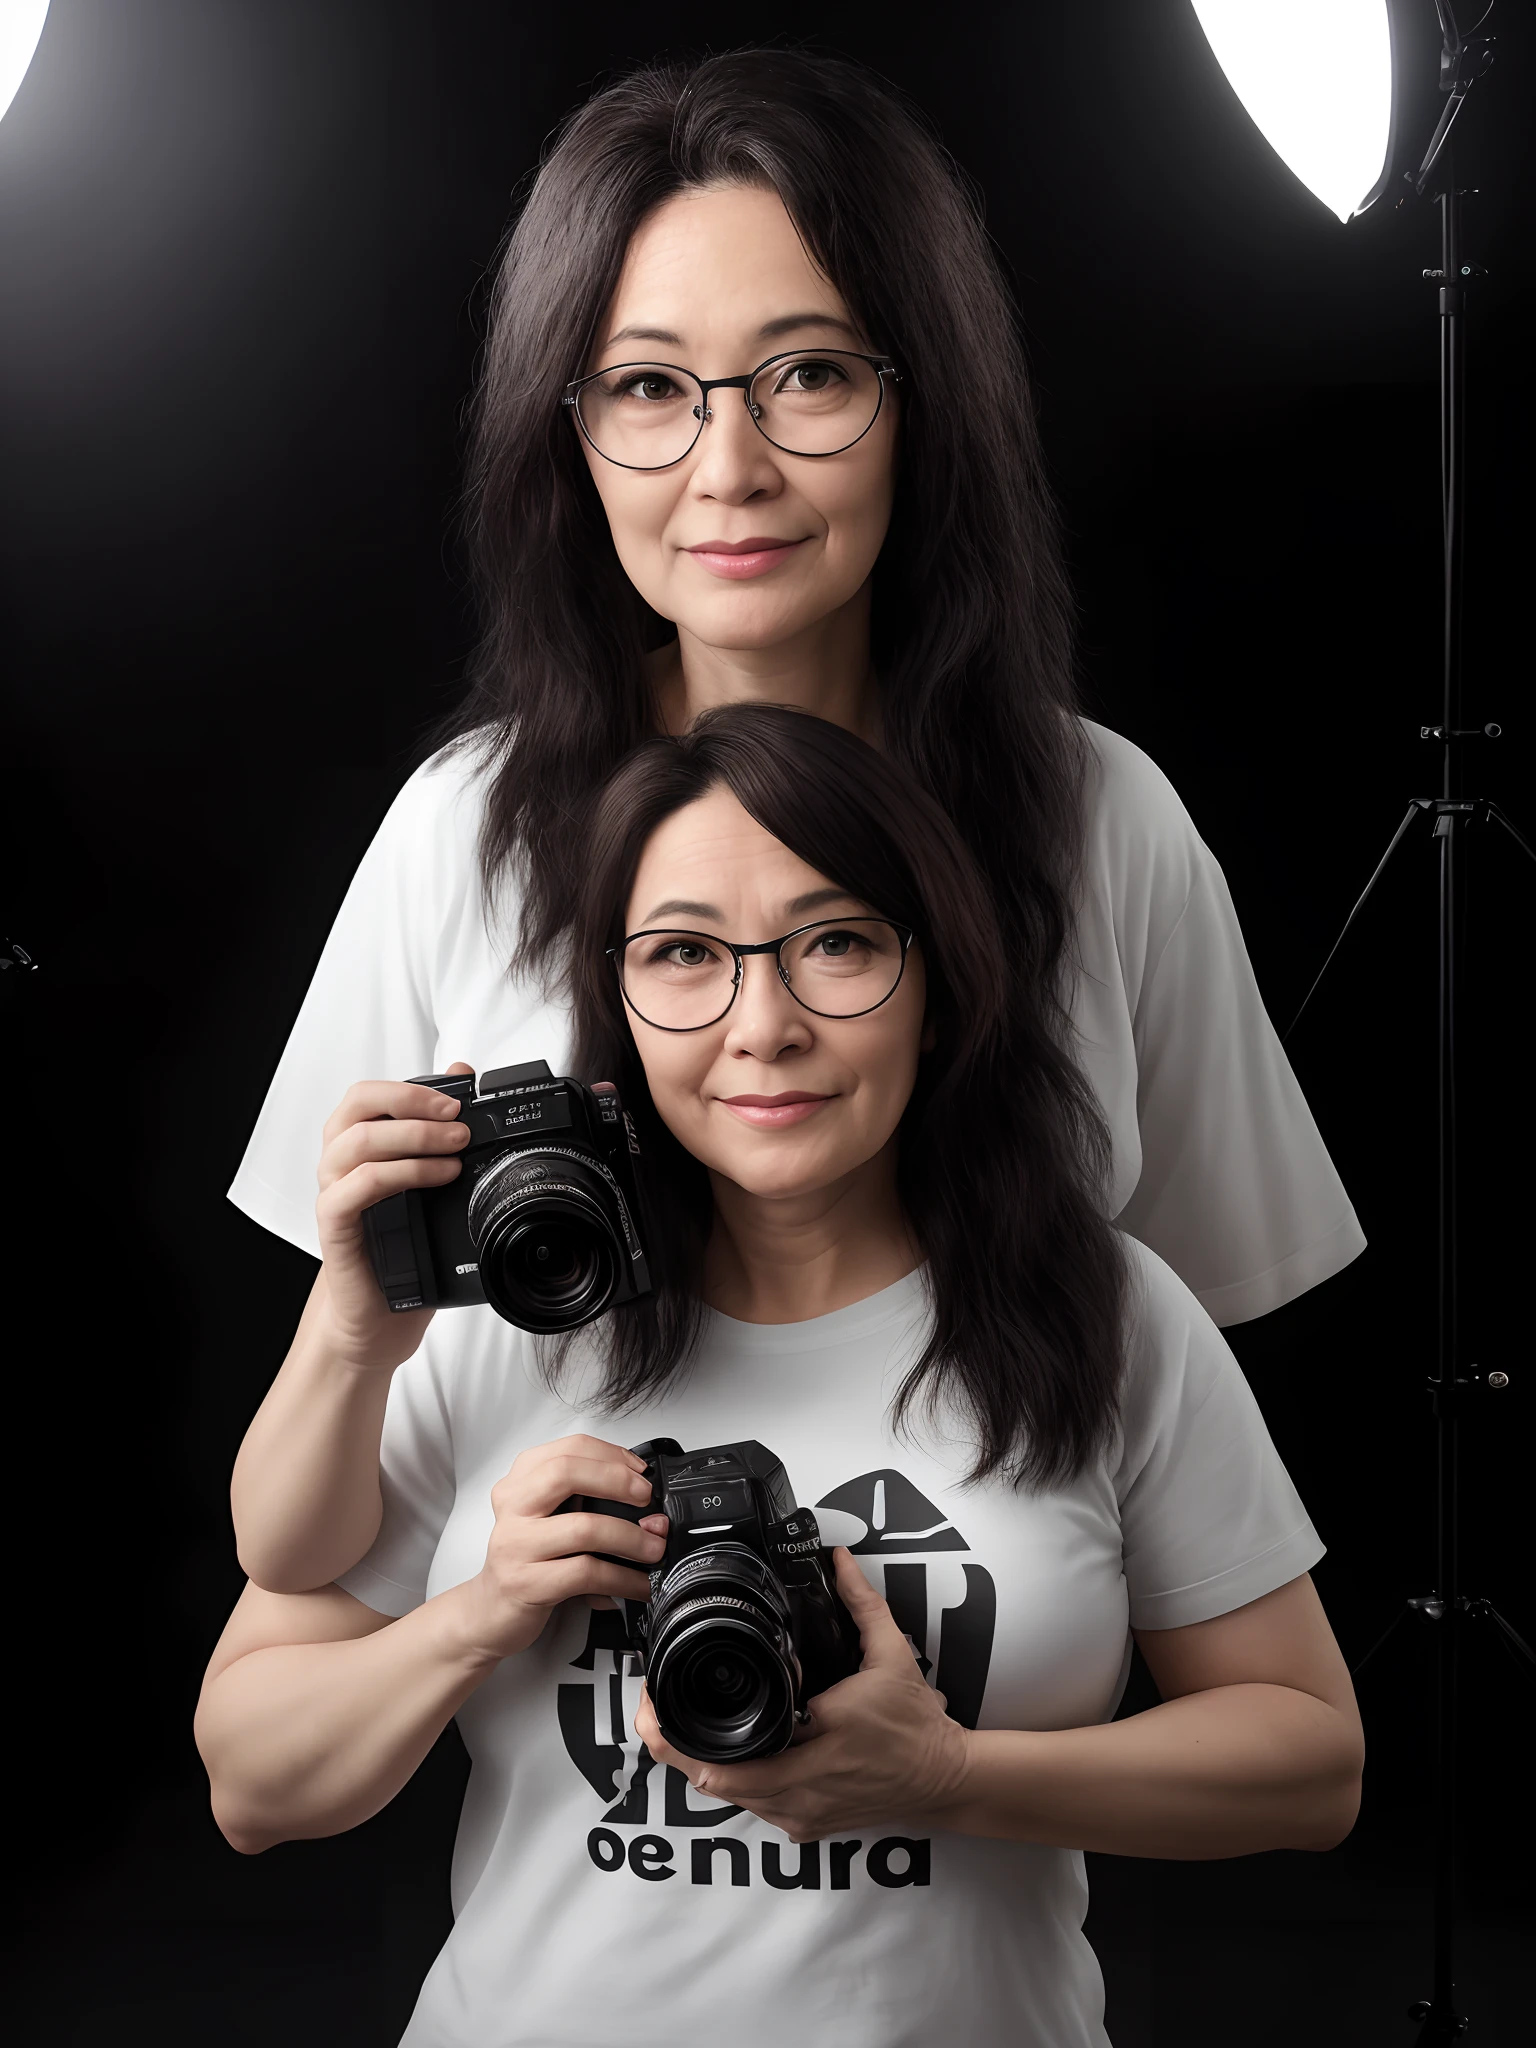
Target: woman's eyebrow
<point>771,330</point>
<point>797,906</point>
<point>818,899</point>
<point>679,906</point>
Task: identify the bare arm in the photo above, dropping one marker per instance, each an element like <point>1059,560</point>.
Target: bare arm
<point>305,1490</point>
<point>314,1733</point>
<point>1256,1744</point>
<point>315,1710</point>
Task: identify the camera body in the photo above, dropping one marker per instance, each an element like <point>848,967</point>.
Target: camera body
<point>744,1623</point>
<point>542,1221</point>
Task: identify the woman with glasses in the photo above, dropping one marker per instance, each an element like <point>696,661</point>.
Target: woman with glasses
<point>755,425</point>
<point>878,1246</point>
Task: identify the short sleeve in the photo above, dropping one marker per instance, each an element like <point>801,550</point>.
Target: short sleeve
<point>417,1483</point>
<point>1235,1189</point>
<point>1209,1518</point>
<point>370,1010</point>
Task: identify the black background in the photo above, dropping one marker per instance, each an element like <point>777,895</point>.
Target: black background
<point>242,249</point>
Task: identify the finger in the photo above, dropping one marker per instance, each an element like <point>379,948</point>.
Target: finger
<point>406,1137</point>
<point>341,1203</point>
<point>541,1537</point>
<point>882,1641</point>
<point>650,1733</point>
<point>547,1583</point>
<point>379,1144</point>
<point>580,1446</point>
<point>459,1067</point>
<point>367,1099</point>
<point>539,1487</point>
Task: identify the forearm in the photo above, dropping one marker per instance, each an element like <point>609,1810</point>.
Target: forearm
<point>1228,1772</point>
<point>305,1488</point>
<point>310,1739</point>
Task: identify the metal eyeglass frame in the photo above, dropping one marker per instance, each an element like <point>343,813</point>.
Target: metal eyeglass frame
<point>703,413</point>
<point>616,954</point>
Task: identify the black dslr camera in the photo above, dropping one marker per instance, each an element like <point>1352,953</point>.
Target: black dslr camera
<point>744,1623</point>
<point>541,1222</point>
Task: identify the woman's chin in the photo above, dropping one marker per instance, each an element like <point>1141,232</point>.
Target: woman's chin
<point>785,1178</point>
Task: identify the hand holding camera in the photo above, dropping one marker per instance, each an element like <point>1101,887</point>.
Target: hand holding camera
<point>741,1625</point>
<point>538,1557</point>
<point>384,1138</point>
<point>542,1224</point>
<point>878,1750</point>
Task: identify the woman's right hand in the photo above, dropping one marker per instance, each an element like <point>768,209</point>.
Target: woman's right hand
<point>537,1558</point>
<point>382,1138</point>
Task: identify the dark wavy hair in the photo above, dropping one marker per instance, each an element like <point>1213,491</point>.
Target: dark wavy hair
<point>971,618</point>
<point>998,1148</point>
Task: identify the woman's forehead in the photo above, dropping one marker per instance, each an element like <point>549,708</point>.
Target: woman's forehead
<point>713,859</point>
<point>709,270</point>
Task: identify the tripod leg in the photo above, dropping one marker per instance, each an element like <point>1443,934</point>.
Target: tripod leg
<point>1356,1669</point>
<point>1419,804</point>
<point>1518,837</point>
<point>1520,1650</point>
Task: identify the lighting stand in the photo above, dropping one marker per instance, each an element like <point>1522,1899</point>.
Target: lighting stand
<point>1451,813</point>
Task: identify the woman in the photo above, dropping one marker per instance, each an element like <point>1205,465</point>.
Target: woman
<point>870,538</point>
<point>1027,1453</point>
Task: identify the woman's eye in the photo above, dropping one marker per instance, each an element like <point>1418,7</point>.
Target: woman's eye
<point>651,387</point>
<point>838,945</point>
<point>681,955</point>
<point>809,378</point>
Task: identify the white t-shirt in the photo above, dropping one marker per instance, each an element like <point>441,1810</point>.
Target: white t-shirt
<point>1218,1165</point>
<point>597,1898</point>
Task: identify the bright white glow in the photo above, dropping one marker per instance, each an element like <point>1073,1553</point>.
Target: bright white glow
<point>21,23</point>
<point>1316,77</point>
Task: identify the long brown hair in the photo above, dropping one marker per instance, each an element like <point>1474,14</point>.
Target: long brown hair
<point>1001,1147</point>
<point>971,633</point>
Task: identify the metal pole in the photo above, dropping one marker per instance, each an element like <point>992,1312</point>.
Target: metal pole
<point>1447,1391</point>
<point>1452,463</point>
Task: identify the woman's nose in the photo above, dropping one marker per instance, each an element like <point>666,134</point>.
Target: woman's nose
<point>732,461</point>
<point>765,1020</point>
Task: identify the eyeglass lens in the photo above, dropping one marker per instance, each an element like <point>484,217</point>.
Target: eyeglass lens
<point>647,415</point>
<point>684,980</point>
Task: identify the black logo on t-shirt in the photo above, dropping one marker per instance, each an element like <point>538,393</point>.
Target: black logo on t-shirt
<point>596,1712</point>
<point>900,1522</point>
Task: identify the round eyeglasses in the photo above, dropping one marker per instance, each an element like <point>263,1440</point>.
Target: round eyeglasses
<point>837,967</point>
<point>808,402</point>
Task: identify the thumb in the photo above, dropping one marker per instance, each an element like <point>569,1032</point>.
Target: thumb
<point>461,1067</point>
<point>883,1642</point>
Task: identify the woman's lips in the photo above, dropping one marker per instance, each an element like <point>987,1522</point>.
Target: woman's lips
<point>773,1112</point>
<point>744,558</point>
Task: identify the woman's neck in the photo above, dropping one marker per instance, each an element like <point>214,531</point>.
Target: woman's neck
<point>826,670</point>
<point>786,1259</point>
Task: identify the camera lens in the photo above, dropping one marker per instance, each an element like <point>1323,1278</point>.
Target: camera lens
<point>721,1669</point>
<point>549,1253</point>
<point>725,1686</point>
<point>549,1260</point>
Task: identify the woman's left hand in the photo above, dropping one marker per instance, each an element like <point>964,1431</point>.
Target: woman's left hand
<point>879,1746</point>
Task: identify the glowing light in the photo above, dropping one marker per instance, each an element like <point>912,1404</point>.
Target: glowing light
<point>1316,78</point>
<point>21,23</point>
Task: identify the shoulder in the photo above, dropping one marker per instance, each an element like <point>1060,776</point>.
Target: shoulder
<point>443,801</point>
<point>1129,799</point>
<point>423,863</point>
<point>1142,858</point>
<point>1177,1361</point>
<point>1169,1334</point>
